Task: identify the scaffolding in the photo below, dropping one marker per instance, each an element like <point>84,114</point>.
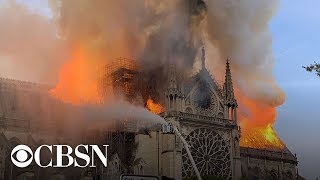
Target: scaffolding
<point>119,76</point>
<point>119,63</point>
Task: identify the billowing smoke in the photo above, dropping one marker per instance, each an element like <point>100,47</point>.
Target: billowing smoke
<point>155,33</point>
<point>239,30</point>
<point>29,47</point>
<point>76,120</point>
<point>158,33</point>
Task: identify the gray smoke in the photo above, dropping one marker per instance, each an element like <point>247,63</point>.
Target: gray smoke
<point>155,33</point>
<point>120,110</point>
<point>239,30</point>
<point>158,33</point>
<point>29,47</point>
<point>107,117</point>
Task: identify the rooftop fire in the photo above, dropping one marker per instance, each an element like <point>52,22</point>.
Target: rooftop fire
<point>78,80</point>
<point>203,66</point>
<point>81,85</point>
<point>157,34</point>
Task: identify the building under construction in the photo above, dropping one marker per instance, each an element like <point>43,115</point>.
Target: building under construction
<point>120,78</point>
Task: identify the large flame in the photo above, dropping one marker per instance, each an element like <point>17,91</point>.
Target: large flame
<point>79,83</point>
<point>257,124</point>
<point>263,137</point>
<point>78,80</point>
<point>154,107</point>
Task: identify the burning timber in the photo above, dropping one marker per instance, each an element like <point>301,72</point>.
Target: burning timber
<point>205,114</point>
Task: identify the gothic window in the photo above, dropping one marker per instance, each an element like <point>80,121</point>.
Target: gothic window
<point>141,171</point>
<point>203,96</point>
<point>189,110</point>
<point>210,152</point>
<point>205,101</point>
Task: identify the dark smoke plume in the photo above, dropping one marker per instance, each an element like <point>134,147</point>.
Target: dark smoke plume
<point>158,33</point>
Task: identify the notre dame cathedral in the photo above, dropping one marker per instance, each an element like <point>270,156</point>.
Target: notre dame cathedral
<point>204,114</point>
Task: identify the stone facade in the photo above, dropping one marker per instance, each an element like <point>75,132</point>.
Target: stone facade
<point>266,164</point>
<point>204,113</point>
<point>206,116</point>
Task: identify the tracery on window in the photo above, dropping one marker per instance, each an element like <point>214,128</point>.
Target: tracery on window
<point>210,152</point>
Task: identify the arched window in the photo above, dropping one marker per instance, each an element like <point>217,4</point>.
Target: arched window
<point>141,171</point>
<point>189,110</point>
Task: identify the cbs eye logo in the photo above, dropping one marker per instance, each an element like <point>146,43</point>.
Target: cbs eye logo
<point>21,156</point>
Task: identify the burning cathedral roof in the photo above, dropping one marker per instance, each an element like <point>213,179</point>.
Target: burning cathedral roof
<point>258,138</point>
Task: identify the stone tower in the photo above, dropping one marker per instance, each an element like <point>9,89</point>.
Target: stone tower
<point>230,101</point>
<point>171,145</point>
<point>231,114</point>
<point>173,94</point>
<point>205,115</point>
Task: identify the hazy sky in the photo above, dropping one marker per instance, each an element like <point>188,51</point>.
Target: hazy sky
<point>296,42</point>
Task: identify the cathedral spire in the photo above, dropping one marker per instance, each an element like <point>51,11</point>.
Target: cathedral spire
<point>230,101</point>
<point>228,87</point>
<point>203,58</point>
<point>173,93</point>
<point>172,77</point>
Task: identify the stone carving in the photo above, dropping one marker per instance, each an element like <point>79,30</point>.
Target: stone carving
<point>207,105</point>
<point>210,152</point>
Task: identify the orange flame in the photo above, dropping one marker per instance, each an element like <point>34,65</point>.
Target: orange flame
<point>261,138</point>
<point>257,124</point>
<point>78,80</point>
<point>78,84</point>
<point>154,107</point>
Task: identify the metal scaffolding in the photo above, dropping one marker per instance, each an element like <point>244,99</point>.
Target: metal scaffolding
<point>119,76</point>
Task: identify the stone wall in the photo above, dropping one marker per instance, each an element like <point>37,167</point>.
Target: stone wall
<point>265,164</point>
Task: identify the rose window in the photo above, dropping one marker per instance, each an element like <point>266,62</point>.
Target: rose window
<point>210,153</point>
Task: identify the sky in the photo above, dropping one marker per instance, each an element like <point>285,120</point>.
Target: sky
<point>296,41</point>
<point>295,29</point>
